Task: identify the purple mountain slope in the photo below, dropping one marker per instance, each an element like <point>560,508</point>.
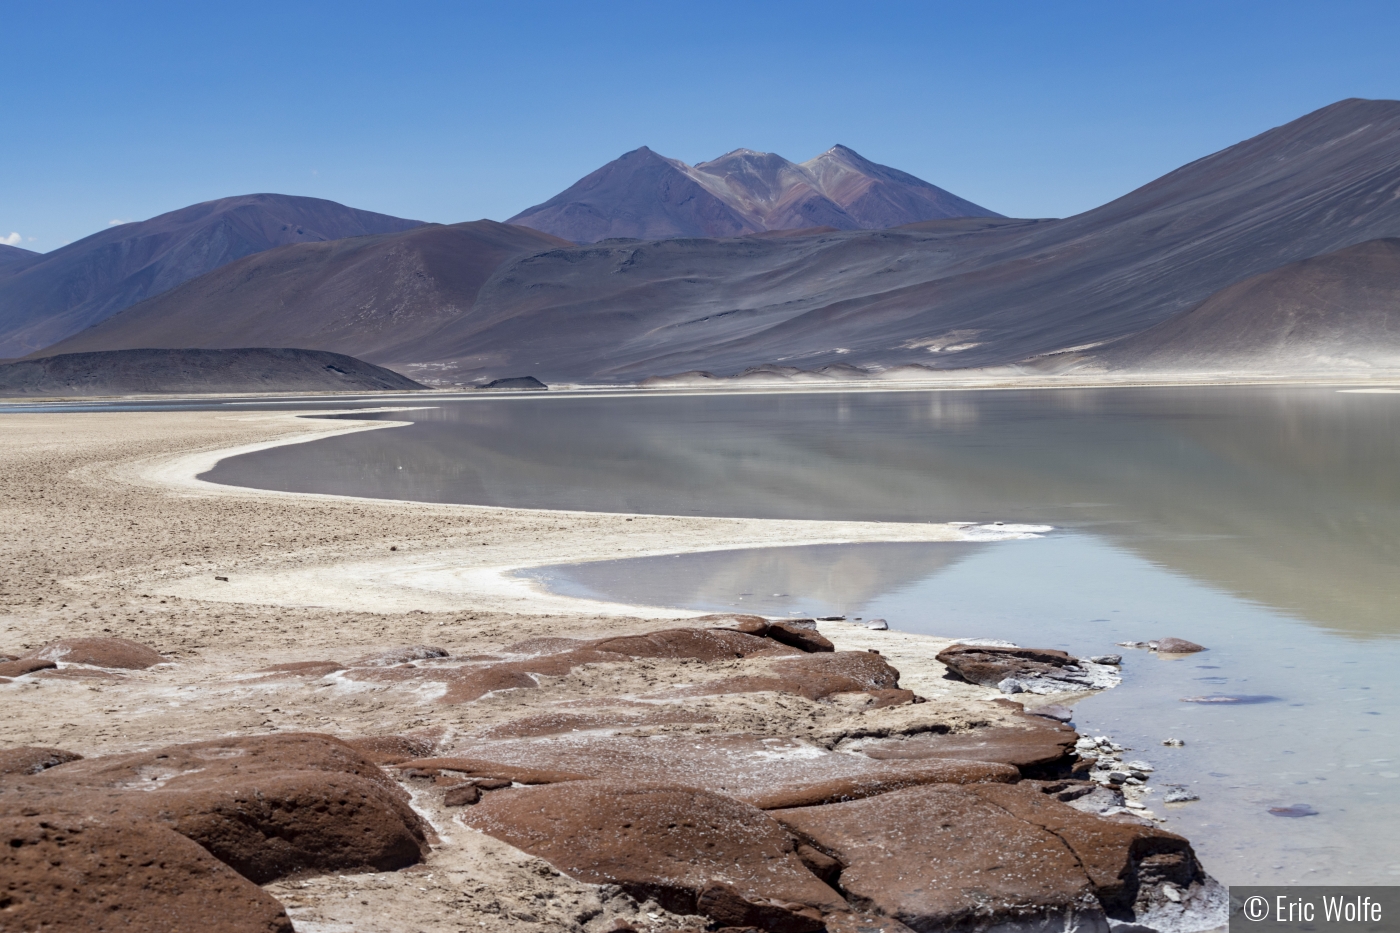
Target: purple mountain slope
<point>643,195</point>
<point>87,281</point>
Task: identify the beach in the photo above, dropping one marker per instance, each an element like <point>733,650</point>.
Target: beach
<point>110,534</point>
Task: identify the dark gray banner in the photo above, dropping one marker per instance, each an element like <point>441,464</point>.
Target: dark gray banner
<point>1351,909</point>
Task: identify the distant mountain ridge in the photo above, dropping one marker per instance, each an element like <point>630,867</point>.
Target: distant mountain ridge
<point>645,195</point>
<point>13,259</point>
<point>84,282</point>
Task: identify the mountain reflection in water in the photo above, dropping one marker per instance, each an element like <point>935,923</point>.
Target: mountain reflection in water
<point>1288,497</point>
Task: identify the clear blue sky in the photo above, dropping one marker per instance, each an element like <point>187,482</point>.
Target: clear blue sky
<point>456,111</point>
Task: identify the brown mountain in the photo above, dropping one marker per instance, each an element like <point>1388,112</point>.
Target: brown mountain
<point>153,372</point>
<point>378,296</point>
<point>643,195</point>
<point>1337,311</point>
<point>84,282</point>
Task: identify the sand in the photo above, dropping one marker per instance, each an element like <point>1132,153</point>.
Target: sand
<point>109,533</point>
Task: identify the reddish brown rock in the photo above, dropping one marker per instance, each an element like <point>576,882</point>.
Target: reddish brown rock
<point>391,749</point>
<point>814,676</point>
<point>304,669</point>
<point>724,904</point>
<point>858,788</point>
<point>1120,858</point>
<point>668,843</point>
<point>803,639</point>
<point>99,652</point>
<point>863,923</point>
<point>269,807</point>
<point>691,643</point>
<point>748,624</point>
<point>468,684</point>
<point>85,874</point>
<point>943,858</point>
<point>1177,646</point>
<point>19,668</point>
<point>989,666</point>
<point>1034,745</point>
<point>557,723</point>
<point>32,759</point>
<point>463,795</point>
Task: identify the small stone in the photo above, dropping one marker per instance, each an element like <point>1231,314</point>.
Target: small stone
<point>1117,777</point>
<point>1179,795</point>
<point>1052,711</point>
<point>1171,893</point>
<point>831,618</point>
<point>1177,646</point>
<point>1135,805</point>
<point>225,579</point>
<point>1113,659</point>
<point>1139,766</point>
<point>877,625</point>
<point>1174,743</point>
<point>461,795</point>
<point>1297,810</point>
<point>1010,685</point>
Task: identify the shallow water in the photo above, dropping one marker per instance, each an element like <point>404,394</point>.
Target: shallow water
<point>1261,522</point>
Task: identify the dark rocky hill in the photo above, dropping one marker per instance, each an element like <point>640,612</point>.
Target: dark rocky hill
<point>153,372</point>
<point>84,282</point>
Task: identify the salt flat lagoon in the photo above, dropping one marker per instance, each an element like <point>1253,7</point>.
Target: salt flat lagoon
<point>1262,522</point>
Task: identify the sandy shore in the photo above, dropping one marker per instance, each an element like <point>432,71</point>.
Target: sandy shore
<point>109,533</point>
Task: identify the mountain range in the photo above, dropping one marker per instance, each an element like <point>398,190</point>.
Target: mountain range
<point>57,294</point>
<point>643,195</point>
<point>1275,252</point>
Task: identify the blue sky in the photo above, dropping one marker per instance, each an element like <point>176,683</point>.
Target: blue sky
<point>457,111</point>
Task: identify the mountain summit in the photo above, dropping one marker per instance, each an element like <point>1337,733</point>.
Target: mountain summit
<point>644,195</point>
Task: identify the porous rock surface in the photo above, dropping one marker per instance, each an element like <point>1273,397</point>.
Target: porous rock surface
<point>84,873</point>
<point>121,653</point>
<point>31,759</point>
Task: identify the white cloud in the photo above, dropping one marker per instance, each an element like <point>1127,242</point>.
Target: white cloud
<point>12,240</point>
<point>117,223</point>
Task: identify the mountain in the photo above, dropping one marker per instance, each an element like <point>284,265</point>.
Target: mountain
<point>950,294</point>
<point>151,372</point>
<point>84,282</point>
<point>643,195</point>
<point>380,296</point>
<point>13,259</point>
<point>1332,312</point>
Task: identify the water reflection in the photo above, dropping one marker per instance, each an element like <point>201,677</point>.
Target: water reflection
<point>1289,497</point>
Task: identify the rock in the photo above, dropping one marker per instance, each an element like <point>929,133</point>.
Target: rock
<point>814,676</point>
<point>877,625</point>
<point>1118,777</point>
<point>1174,743</point>
<point>989,666</point>
<point>858,788</point>
<point>1179,795</point>
<point>99,652</point>
<point>722,903</point>
<point>800,638</point>
<point>937,858</point>
<point>267,806</point>
<point>831,618</point>
<point>462,795</point>
<point>1110,659</point>
<point>391,749</point>
<point>1177,646</point>
<point>1295,811</point>
<point>19,668</point>
<point>81,873</point>
<point>466,685</point>
<point>309,669</point>
<point>820,864</point>
<point>672,844</point>
<point>863,923</point>
<point>693,643</point>
<point>402,655</point>
<point>32,759</point>
<point>1033,745</point>
<point>1139,766</point>
<point>749,625</point>
<point>1052,711</point>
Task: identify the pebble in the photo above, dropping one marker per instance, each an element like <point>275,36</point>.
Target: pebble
<point>877,625</point>
<point>1174,743</point>
<point>1180,795</point>
<point>1134,805</point>
<point>1172,893</point>
<point>1113,659</point>
<point>1117,777</point>
<point>1139,766</point>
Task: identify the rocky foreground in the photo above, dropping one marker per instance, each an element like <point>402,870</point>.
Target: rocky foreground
<point>852,805</point>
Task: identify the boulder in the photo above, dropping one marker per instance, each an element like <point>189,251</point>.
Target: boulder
<point>682,846</point>
<point>749,625</point>
<point>943,858</point>
<point>99,652</point>
<point>1034,744</point>
<point>90,874</point>
<point>838,790</point>
<point>22,666</point>
<point>1177,646</point>
<point>269,806</point>
<point>988,666</point>
<point>803,639</point>
<point>814,676</point>
<point>32,759</point>
<point>692,643</point>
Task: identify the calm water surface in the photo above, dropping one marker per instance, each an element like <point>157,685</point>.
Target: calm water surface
<point>1261,522</point>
